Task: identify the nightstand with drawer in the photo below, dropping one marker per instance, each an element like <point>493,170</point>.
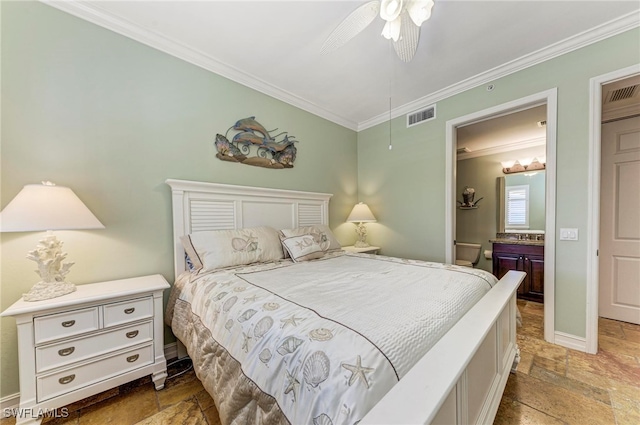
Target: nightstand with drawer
<point>366,250</point>
<point>96,338</point>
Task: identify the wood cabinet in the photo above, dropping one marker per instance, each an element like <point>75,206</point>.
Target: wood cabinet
<point>98,337</point>
<point>526,258</point>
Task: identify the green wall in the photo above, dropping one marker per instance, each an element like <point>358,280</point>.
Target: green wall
<point>405,187</point>
<point>481,224</point>
<point>113,119</point>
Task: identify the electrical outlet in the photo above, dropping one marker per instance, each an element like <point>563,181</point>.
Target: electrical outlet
<point>568,234</point>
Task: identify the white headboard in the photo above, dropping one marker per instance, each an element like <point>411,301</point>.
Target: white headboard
<point>200,206</point>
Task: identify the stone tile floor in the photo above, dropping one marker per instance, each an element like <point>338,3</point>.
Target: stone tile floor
<point>552,385</point>
<point>556,385</point>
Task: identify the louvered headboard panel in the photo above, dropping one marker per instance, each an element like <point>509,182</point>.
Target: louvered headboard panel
<point>200,206</point>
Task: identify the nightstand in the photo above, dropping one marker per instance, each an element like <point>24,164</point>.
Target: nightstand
<point>80,344</point>
<point>369,249</point>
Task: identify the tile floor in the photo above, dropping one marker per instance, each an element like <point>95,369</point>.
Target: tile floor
<point>553,385</point>
<point>556,385</point>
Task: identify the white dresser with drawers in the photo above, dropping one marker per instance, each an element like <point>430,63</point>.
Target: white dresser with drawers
<point>96,338</point>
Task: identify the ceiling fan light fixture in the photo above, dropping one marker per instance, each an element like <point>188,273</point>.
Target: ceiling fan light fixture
<point>390,9</point>
<point>391,30</point>
<point>420,10</point>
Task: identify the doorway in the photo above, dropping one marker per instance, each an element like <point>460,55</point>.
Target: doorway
<point>549,98</point>
<point>612,285</point>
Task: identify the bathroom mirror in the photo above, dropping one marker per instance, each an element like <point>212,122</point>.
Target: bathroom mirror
<point>521,202</point>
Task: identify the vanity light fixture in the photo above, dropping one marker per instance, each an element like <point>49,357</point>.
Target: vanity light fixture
<point>525,164</point>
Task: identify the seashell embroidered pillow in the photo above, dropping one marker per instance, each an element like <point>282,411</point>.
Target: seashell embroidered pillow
<point>302,248</point>
<point>217,249</point>
<point>321,234</point>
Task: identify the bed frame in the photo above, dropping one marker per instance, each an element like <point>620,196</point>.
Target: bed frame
<point>459,381</point>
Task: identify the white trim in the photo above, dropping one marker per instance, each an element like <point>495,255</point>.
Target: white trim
<point>550,97</point>
<point>578,41</point>
<point>593,200</point>
<point>571,341</point>
<point>515,146</point>
<point>11,401</point>
<point>171,351</point>
<point>94,14</point>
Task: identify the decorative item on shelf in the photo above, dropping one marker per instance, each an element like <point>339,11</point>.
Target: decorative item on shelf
<point>467,199</point>
<point>403,21</point>
<point>47,207</point>
<point>361,214</point>
<point>271,153</point>
<point>525,164</point>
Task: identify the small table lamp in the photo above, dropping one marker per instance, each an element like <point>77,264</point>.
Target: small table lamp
<point>47,207</point>
<point>361,214</point>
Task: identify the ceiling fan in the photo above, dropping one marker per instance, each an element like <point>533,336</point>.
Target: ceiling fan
<point>403,21</point>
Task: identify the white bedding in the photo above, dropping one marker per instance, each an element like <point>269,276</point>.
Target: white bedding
<point>326,339</point>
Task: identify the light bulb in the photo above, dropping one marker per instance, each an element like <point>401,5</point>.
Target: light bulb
<point>507,164</point>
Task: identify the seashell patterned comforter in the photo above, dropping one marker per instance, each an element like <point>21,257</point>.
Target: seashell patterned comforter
<point>317,342</point>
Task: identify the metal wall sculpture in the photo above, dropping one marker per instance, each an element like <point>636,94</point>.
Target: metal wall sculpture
<point>270,152</point>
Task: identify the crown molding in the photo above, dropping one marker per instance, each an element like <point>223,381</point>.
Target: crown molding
<point>92,13</point>
<point>578,41</point>
<point>515,146</point>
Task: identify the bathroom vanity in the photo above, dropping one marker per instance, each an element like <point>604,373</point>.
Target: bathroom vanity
<point>525,254</point>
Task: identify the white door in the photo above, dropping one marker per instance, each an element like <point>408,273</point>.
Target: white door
<point>620,221</point>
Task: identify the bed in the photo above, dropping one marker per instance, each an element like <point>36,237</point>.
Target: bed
<point>327,337</point>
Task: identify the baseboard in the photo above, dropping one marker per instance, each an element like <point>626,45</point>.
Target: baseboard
<point>171,351</point>
<point>571,341</point>
<point>13,401</point>
<point>8,403</point>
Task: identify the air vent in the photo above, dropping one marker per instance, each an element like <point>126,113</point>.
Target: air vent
<point>542,123</point>
<point>426,114</point>
<point>623,93</point>
<point>463,150</point>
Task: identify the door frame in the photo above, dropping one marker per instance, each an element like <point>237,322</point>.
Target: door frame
<point>593,200</point>
<point>550,98</point>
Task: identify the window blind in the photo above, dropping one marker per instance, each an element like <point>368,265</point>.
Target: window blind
<point>517,199</point>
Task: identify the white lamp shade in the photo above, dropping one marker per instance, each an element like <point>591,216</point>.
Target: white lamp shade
<point>46,207</point>
<point>361,214</point>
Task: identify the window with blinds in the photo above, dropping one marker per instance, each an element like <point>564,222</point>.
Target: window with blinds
<point>517,205</point>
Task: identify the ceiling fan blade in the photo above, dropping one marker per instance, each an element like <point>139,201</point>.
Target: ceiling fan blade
<point>407,44</point>
<point>358,20</point>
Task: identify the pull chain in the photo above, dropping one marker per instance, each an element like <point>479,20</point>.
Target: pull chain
<point>390,145</point>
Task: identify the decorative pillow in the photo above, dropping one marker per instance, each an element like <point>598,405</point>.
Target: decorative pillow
<point>216,249</point>
<point>302,248</point>
<point>321,234</point>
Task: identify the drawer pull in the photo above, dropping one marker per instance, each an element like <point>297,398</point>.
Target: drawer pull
<point>129,310</point>
<point>133,358</point>
<point>66,351</point>
<point>68,323</point>
<point>132,334</point>
<point>67,379</point>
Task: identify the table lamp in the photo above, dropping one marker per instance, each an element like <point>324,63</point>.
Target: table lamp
<point>361,214</point>
<point>40,207</point>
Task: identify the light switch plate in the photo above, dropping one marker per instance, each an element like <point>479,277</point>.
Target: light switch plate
<point>568,234</point>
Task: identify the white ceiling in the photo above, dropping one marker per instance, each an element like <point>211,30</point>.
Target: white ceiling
<point>273,46</point>
<point>513,131</point>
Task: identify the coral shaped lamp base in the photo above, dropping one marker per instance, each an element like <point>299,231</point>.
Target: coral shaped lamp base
<point>49,257</point>
<point>46,290</point>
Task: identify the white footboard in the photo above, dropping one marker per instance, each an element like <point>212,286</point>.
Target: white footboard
<point>462,378</point>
